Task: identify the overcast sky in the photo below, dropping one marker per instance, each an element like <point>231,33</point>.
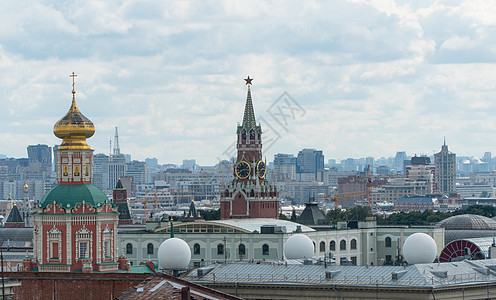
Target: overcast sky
<point>362,78</point>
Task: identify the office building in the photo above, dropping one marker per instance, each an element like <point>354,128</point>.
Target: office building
<point>42,154</point>
<point>285,167</point>
<point>308,163</point>
<point>138,170</point>
<point>445,174</point>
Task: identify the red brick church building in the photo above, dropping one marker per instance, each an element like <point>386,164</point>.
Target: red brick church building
<point>75,224</point>
<point>249,195</point>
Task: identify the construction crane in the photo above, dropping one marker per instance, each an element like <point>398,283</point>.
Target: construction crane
<point>145,216</point>
<point>368,191</point>
<point>343,195</point>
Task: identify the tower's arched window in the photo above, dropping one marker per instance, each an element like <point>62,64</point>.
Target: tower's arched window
<point>388,242</point>
<point>252,193</point>
<point>252,135</point>
<point>241,249</point>
<point>243,135</point>
<point>342,245</point>
<point>265,249</point>
<point>332,246</point>
<point>353,244</point>
<point>220,249</point>
<point>149,248</point>
<point>322,247</point>
<point>129,248</point>
<point>196,249</point>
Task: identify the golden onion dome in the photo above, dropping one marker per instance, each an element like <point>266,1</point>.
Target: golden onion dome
<point>74,128</point>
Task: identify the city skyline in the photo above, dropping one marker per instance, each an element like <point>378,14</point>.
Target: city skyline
<point>372,78</point>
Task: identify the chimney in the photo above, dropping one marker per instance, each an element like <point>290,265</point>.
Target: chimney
<point>185,294</point>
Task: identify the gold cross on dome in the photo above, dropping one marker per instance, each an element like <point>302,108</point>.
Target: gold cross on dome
<point>73,81</point>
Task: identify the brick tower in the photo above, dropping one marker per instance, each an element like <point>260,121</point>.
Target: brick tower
<point>75,224</point>
<point>119,196</point>
<point>249,195</point>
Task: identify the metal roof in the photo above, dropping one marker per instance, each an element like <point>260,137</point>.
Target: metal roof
<point>453,235</point>
<point>16,234</point>
<point>484,244</point>
<point>255,224</point>
<point>468,222</point>
<point>420,275</point>
<point>16,244</point>
<point>427,200</point>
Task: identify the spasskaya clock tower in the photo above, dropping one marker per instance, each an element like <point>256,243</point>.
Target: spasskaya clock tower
<point>249,195</point>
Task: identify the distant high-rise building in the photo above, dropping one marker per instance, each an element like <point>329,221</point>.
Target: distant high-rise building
<point>285,166</point>
<point>420,168</point>
<point>369,161</point>
<point>399,161</point>
<point>101,171</point>
<point>486,157</point>
<point>138,170</point>
<point>117,167</point>
<point>308,163</point>
<point>445,173</point>
<point>41,153</point>
<point>331,163</point>
<point>117,163</point>
<point>189,164</point>
<point>152,163</point>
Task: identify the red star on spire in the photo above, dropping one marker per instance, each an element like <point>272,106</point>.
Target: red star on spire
<point>248,80</point>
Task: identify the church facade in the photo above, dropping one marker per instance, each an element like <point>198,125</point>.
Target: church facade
<point>75,224</point>
<point>249,195</point>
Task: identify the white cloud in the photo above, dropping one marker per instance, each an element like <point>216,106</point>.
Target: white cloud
<point>374,77</point>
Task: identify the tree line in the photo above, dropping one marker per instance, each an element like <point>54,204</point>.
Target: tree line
<point>360,213</point>
<point>427,217</point>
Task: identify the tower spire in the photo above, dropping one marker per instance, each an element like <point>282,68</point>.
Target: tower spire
<point>249,115</point>
<point>117,150</point>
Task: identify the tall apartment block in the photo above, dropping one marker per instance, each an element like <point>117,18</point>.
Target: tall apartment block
<point>445,173</point>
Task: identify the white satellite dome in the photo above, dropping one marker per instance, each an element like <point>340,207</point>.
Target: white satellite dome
<point>298,246</point>
<point>174,254</point>
<point>419,248</point>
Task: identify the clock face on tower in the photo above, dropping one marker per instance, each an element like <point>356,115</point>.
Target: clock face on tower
<point>261,169</point>
<point>242,169</point>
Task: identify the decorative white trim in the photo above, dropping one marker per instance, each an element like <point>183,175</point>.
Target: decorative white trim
<point>84,235</point>
<point>54,236</point>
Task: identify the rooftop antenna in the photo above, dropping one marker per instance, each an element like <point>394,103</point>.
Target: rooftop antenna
<point>110,147</point>
<point>117,150</point>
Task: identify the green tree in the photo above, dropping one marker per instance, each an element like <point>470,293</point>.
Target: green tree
<point>335,215</point>
<point>293,216</point>
<point>358,213</point>
<point>283,217</point>
<point>478,209</point>
<point>208,215</point>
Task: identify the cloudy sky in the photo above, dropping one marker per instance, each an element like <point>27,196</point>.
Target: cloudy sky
<point>352,78</point>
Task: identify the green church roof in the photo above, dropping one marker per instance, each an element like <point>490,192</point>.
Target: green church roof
<point>70,195</point>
